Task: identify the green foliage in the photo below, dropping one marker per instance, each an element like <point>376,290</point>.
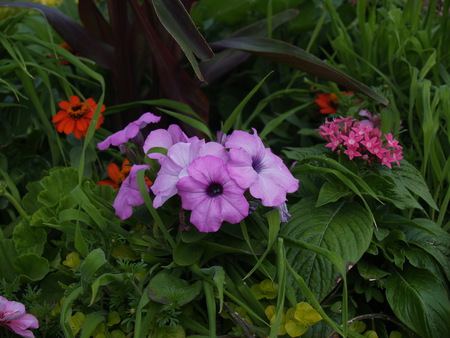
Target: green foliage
<point>367,247</point>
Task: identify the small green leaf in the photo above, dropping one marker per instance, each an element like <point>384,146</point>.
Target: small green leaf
<point>331,192</point>
<point>168,289</point>
<point>29,239</point>
<point>185,254</point>
<point>31,266</point>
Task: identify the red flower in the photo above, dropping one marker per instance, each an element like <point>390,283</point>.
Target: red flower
<point>76,116</point>
<point>117,176</point>
<point>329,103</point>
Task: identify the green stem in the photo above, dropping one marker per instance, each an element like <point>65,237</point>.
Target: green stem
<point>15,203</point>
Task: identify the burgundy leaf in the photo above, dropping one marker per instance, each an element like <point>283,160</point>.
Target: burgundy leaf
<point>290,55</point>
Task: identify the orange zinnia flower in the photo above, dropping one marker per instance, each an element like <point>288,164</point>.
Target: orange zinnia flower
<point>329,103</point>
<point>117,176</point>
<point>76,116</point>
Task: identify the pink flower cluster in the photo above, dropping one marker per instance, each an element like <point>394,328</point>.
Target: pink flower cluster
<point>361,140</point>
<point>13,316</point>
<point>211,178</point>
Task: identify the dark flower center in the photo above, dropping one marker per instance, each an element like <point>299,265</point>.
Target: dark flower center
<point>214,189</point>
<point>257,164</point>
<point>78,111</point>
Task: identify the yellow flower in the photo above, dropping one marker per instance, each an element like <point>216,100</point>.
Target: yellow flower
<point>266,289</point>
<point>72,260</point>
<point>293,327</point>
<point>76,322</point>
<point>306,314</point>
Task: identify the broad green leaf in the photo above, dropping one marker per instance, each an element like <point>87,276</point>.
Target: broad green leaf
<point>387,189</point>
<point>32,266</point>
<point>290,55</point>
<point>29,239</point>
<point>419,300</point>
<point>94,261</point>
<point>435,243</point>
<point>185,254</point>
<point>408,177</point>
<point>58,184</point>
<point>167,289</point>
<point>42,216</point>
<point>29,201</point>
<point>8,254</point>
<point>103,280</point>
<point>343,228</point>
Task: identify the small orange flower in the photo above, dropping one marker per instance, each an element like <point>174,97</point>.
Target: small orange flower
<point>117,176</point>
<point>76,116</point>
<point>329,103</point>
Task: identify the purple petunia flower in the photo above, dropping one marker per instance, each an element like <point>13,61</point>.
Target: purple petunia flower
<point>211,194</point>
<point>257,168</point>
<point>173,167</point>
<point>165,139</point>
<point>13,316</point>
<point>129,195</point>
<point>129,132</point>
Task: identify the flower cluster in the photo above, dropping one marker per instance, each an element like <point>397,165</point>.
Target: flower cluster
<point>76,116</point>
<point>211,178</point>
<point>361,140</point>
<point>13,316</point>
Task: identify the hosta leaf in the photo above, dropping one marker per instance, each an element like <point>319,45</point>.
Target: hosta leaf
<point>408,177</point>
<point>387,190</point>
<point>344,228</point>
<point>419,300</point>
<point>437,244</point>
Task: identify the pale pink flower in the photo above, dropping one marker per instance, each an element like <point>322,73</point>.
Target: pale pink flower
<point>257,168</point>
<point>129,195</point>
<point>173,166</point>
<point>165,139</point>
<point>129,132</point>
<point>13,316</point>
